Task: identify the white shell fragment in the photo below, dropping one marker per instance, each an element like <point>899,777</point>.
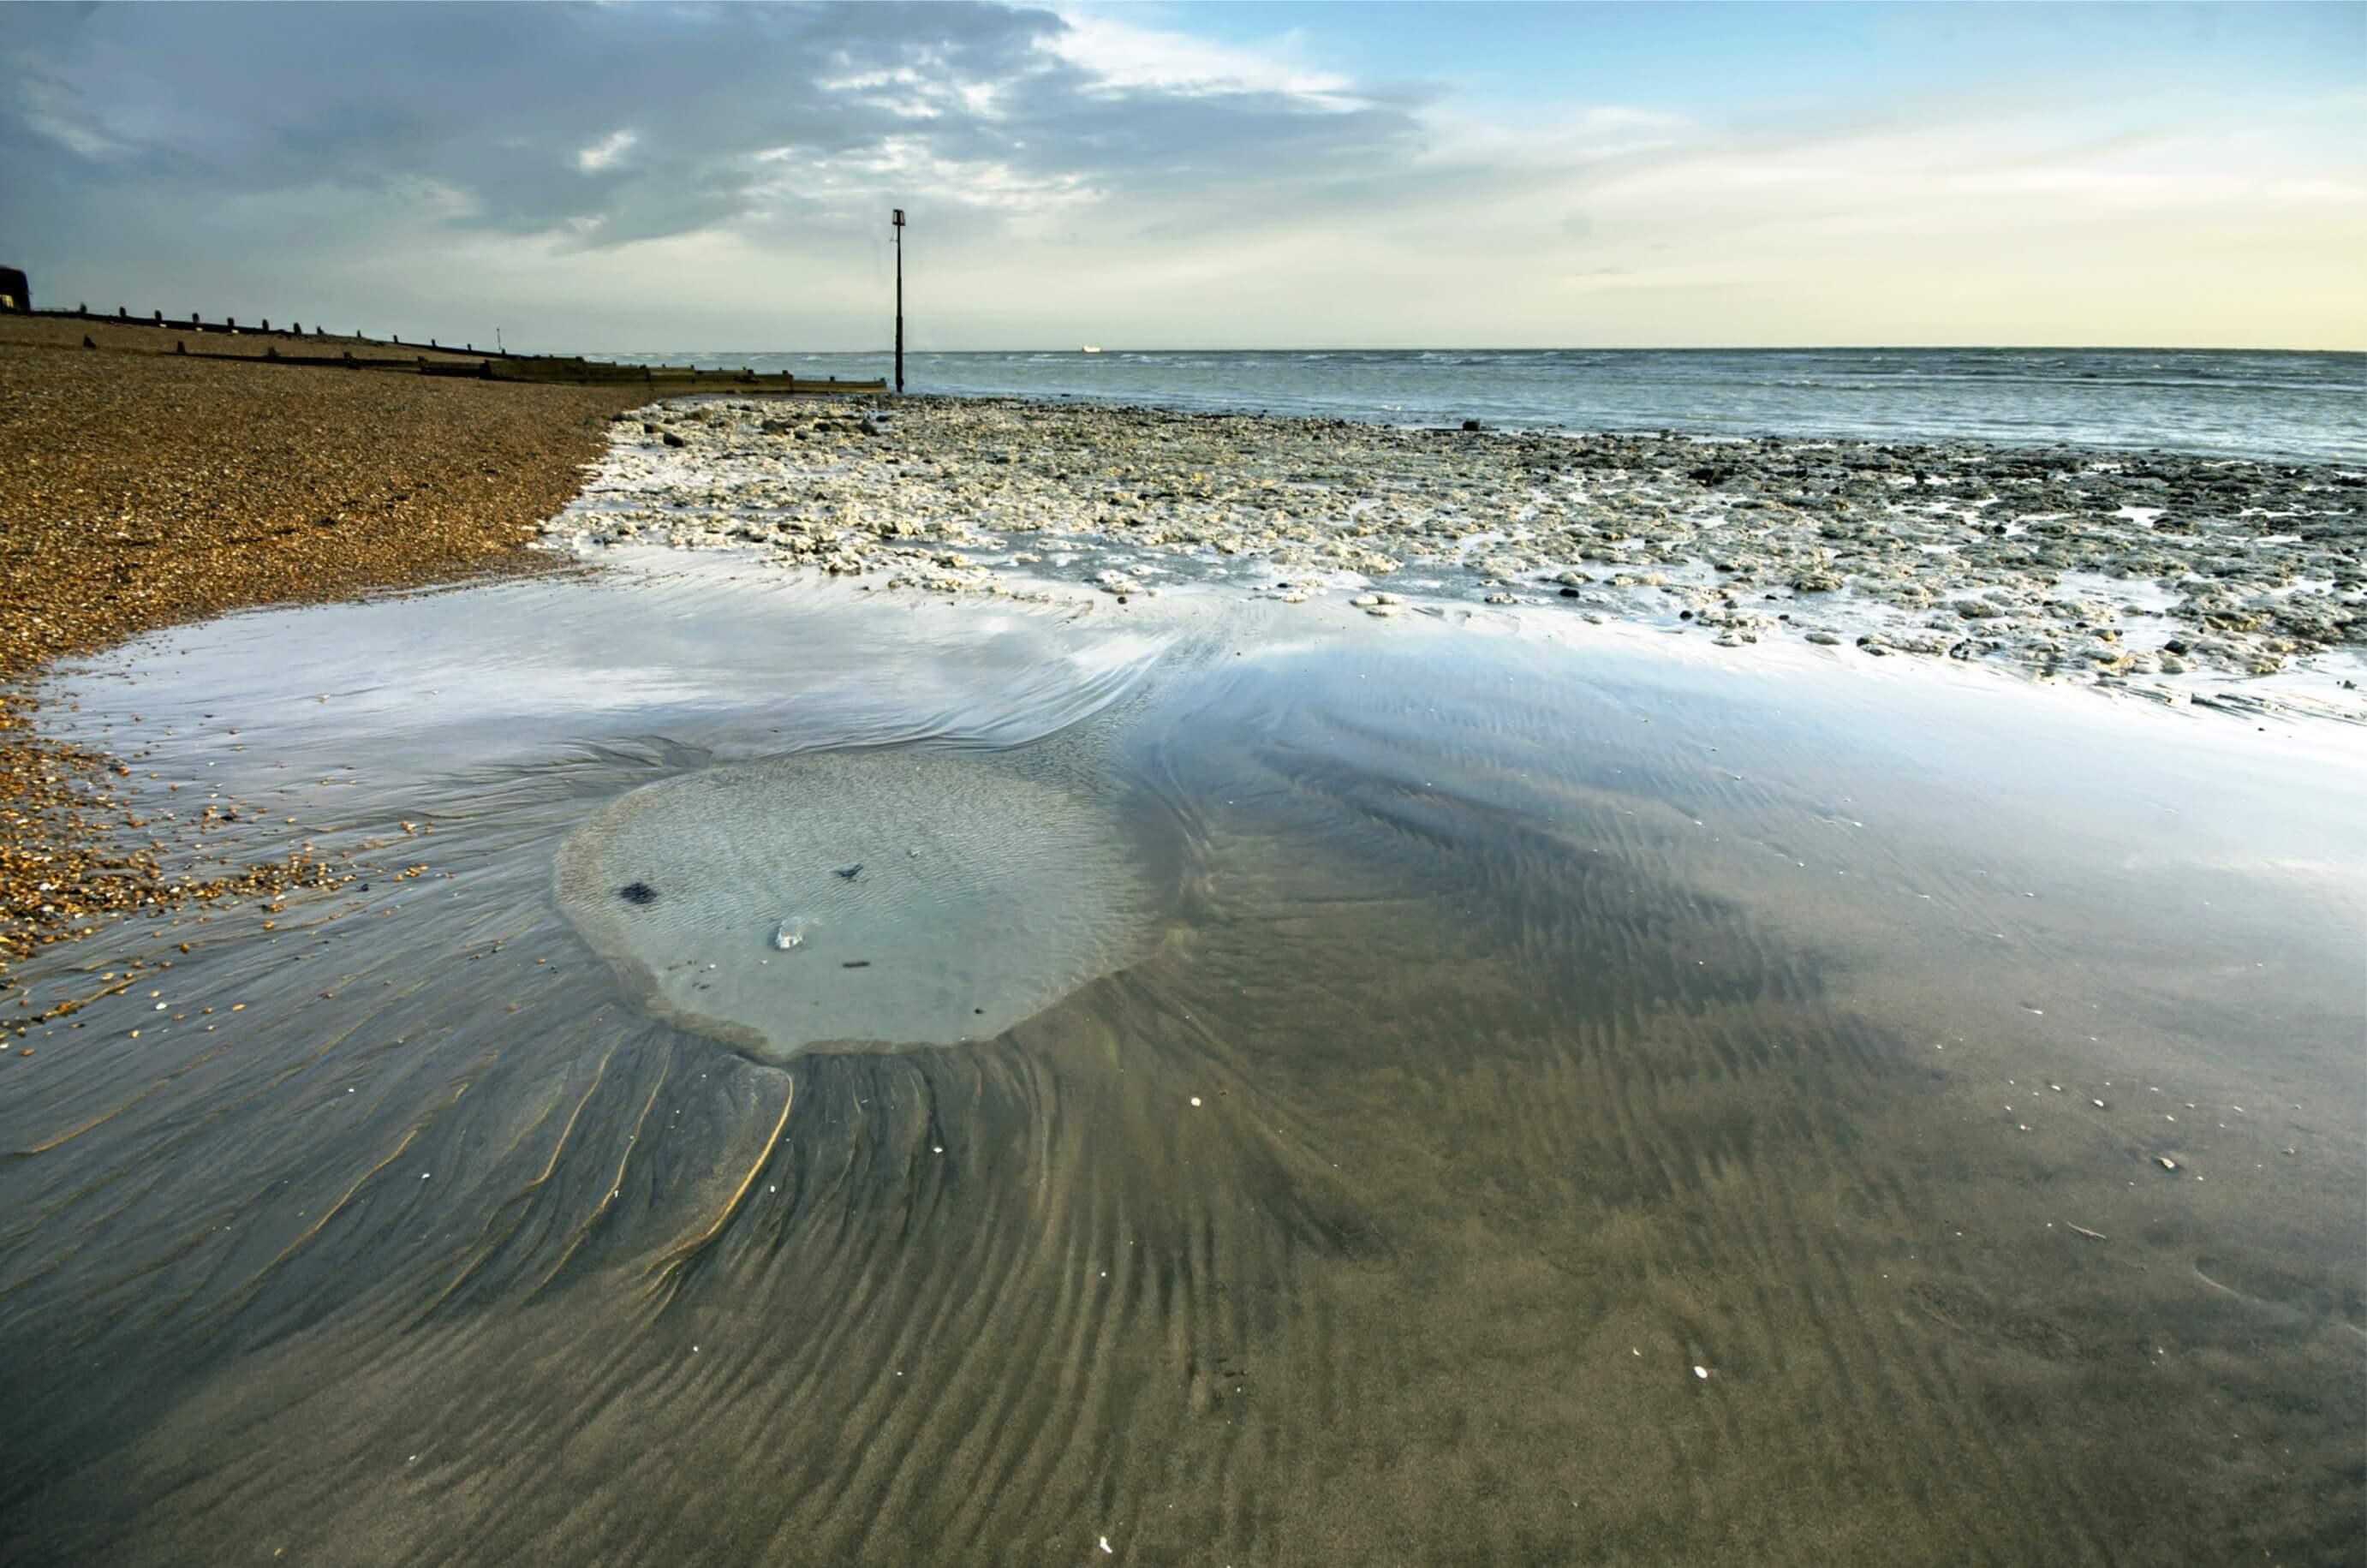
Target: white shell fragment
<point>992,497</point>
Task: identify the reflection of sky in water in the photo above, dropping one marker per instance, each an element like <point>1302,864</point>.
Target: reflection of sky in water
<point>1954,833</point>
<point>702,642</point>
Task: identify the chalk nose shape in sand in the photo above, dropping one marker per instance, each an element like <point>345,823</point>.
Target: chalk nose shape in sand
<point>724,901</point>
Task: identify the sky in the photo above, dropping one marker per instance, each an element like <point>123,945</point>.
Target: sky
<point>645,176</point>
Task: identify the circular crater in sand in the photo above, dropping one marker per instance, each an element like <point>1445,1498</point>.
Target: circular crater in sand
<point>887,898</point>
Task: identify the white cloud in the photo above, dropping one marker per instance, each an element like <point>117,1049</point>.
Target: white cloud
<point>917,172</point>
<point>1124,56</point>
<point>930,91</point>
<point>56,115</point>
<point>605,151</point>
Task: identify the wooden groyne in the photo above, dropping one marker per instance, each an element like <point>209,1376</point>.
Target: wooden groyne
<point>292,344</point>
<point>548,371</point>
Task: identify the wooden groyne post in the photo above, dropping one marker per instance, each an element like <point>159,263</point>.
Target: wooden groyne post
<point>899,222</point>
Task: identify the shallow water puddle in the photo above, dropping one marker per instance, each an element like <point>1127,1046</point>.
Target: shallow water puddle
<point>896,897</point>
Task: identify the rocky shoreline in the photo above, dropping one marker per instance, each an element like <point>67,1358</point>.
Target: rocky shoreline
<point>2086,565</point>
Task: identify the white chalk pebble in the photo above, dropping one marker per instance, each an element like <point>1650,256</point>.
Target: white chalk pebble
<point>1702,1372</point>
<point>1196,1099</point>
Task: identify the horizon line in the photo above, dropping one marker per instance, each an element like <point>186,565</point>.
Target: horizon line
<point>1563,348</point>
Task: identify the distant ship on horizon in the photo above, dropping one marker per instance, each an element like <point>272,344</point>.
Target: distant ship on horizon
<point>1090,348</point>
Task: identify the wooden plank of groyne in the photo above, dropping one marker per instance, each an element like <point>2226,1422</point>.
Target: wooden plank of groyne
<point>566,372</point>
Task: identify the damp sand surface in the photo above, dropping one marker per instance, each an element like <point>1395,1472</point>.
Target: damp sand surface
<point>1566,1093</point>
<point>146,489</point>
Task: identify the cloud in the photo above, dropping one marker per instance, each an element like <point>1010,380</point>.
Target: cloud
<point>520,108</point>
<point>1116,56</point>
<point>634,175</point>
<point>602,126</point>
<point>605,151</point>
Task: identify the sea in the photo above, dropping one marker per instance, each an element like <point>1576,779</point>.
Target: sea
<point>2279,406</point>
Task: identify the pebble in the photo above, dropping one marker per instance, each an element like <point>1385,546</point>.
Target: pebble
<point>115,454</point>
<point>1952,548</point>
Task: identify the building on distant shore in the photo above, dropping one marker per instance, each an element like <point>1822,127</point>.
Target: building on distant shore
<point>15,290</point>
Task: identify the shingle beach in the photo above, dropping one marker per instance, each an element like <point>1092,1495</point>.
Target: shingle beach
<point>147,489</point>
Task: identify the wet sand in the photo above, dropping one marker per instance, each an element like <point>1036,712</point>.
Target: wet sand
<point>1583,1094</point>
<point>147,490</point>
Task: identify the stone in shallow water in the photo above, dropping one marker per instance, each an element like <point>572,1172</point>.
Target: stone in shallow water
<point>984,895</point>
